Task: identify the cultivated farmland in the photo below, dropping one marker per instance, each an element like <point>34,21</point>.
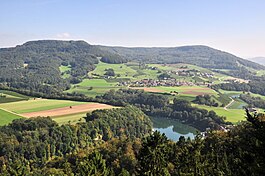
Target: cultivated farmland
<point>62,111</point>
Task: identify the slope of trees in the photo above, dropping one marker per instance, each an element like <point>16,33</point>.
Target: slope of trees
<point>28,144</point>
<point>253,101</point>
<point>197,55</point>
<point>27,148</point>
<point>256,85</point>
<point>205,100</point>
<point>159,106</point>
<point>35,65</point>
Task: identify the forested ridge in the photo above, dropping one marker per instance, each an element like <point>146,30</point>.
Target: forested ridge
<point>34,66</point>
<point>197,55</point>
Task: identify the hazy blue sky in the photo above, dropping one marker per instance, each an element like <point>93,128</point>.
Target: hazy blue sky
<point>236,26</point>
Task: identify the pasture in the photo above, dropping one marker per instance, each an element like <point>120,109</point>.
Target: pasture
<point>93,87</point>
<point>122,69</point>
<point>82,108</point>
<point>7,117</point>
<point>232,115</point>
<point>37,105</point>
<point>61,111</point>
<point>9,96</point>
<point>71,118</point>
<point>63,70</point>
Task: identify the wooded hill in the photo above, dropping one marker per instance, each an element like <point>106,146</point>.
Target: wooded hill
<point>203,56</point>
<point>34,66</point>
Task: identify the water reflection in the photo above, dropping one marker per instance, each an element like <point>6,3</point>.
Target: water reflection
<point>173,129</point>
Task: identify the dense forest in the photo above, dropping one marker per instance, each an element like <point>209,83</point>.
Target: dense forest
<point>197,55</point>
<point>159,106</point>
<point>35,65</point>
<point>253,101</point>
<point>114,142</point>
<point>205,100</point>
<point>256,85</point>
<point>28,144</point>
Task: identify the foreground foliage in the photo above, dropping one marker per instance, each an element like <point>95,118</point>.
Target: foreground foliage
<point>41,147</point>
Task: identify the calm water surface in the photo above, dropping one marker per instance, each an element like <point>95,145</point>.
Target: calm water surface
<point>173,129</point>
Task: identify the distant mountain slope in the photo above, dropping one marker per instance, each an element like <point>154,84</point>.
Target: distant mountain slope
<point>34,66</point>
<point>198,55</point>
<point>259,60</point>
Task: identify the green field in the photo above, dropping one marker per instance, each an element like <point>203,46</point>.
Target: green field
<point>122,69</point>
<point>95,83</point>
<point>9,96</point>
<point>71,118</point>
<point>260,72</point>
<point>237,104</point>
<point>132,71</point>
<point>93,87</point>
<point>63,70</point>
<point>7,117</point>
<point>37,105</point>
<point>232,115</point>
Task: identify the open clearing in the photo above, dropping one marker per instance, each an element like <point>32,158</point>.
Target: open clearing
<point>7,117</point>
<point>32,105</point>
<point>9,96</point>
<point>72,118</point>
<point>58,110</point>
<point>232,115</point>
<point>67,110</point>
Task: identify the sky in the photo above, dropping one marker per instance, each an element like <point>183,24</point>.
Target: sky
<point>235,26</point>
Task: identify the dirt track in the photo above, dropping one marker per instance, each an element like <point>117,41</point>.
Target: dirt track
<point>67,110</point>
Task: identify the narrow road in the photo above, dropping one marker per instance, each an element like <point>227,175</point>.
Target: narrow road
<point>231,102</point>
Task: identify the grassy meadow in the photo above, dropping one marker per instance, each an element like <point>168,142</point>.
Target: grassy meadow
<point>7,117</point>
<point>37,105</point>
<point>232,115</point>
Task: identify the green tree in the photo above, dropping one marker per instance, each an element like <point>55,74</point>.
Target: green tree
<point>153,156</point>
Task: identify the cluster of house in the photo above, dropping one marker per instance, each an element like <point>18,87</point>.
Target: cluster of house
<point>154,83</point>
<point>192,73</point>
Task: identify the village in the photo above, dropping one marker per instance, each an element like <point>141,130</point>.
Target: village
<point>154,83</point>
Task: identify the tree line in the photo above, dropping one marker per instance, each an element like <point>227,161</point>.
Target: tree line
<point>26,145</point>
<point>40,147</point>
<point>159,106</point>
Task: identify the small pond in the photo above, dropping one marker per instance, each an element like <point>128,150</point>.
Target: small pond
<point>173,129</point>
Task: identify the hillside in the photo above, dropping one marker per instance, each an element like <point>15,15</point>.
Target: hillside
<point>51,66</point>
<point>35,64</point>
<point>198,55</point>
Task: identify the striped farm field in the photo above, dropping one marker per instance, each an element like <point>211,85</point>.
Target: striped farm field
<point>37,105</point>
<point>62,111</point>
<point>82,108</point>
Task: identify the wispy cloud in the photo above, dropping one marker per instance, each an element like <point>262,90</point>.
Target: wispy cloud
<point>64,35</point>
